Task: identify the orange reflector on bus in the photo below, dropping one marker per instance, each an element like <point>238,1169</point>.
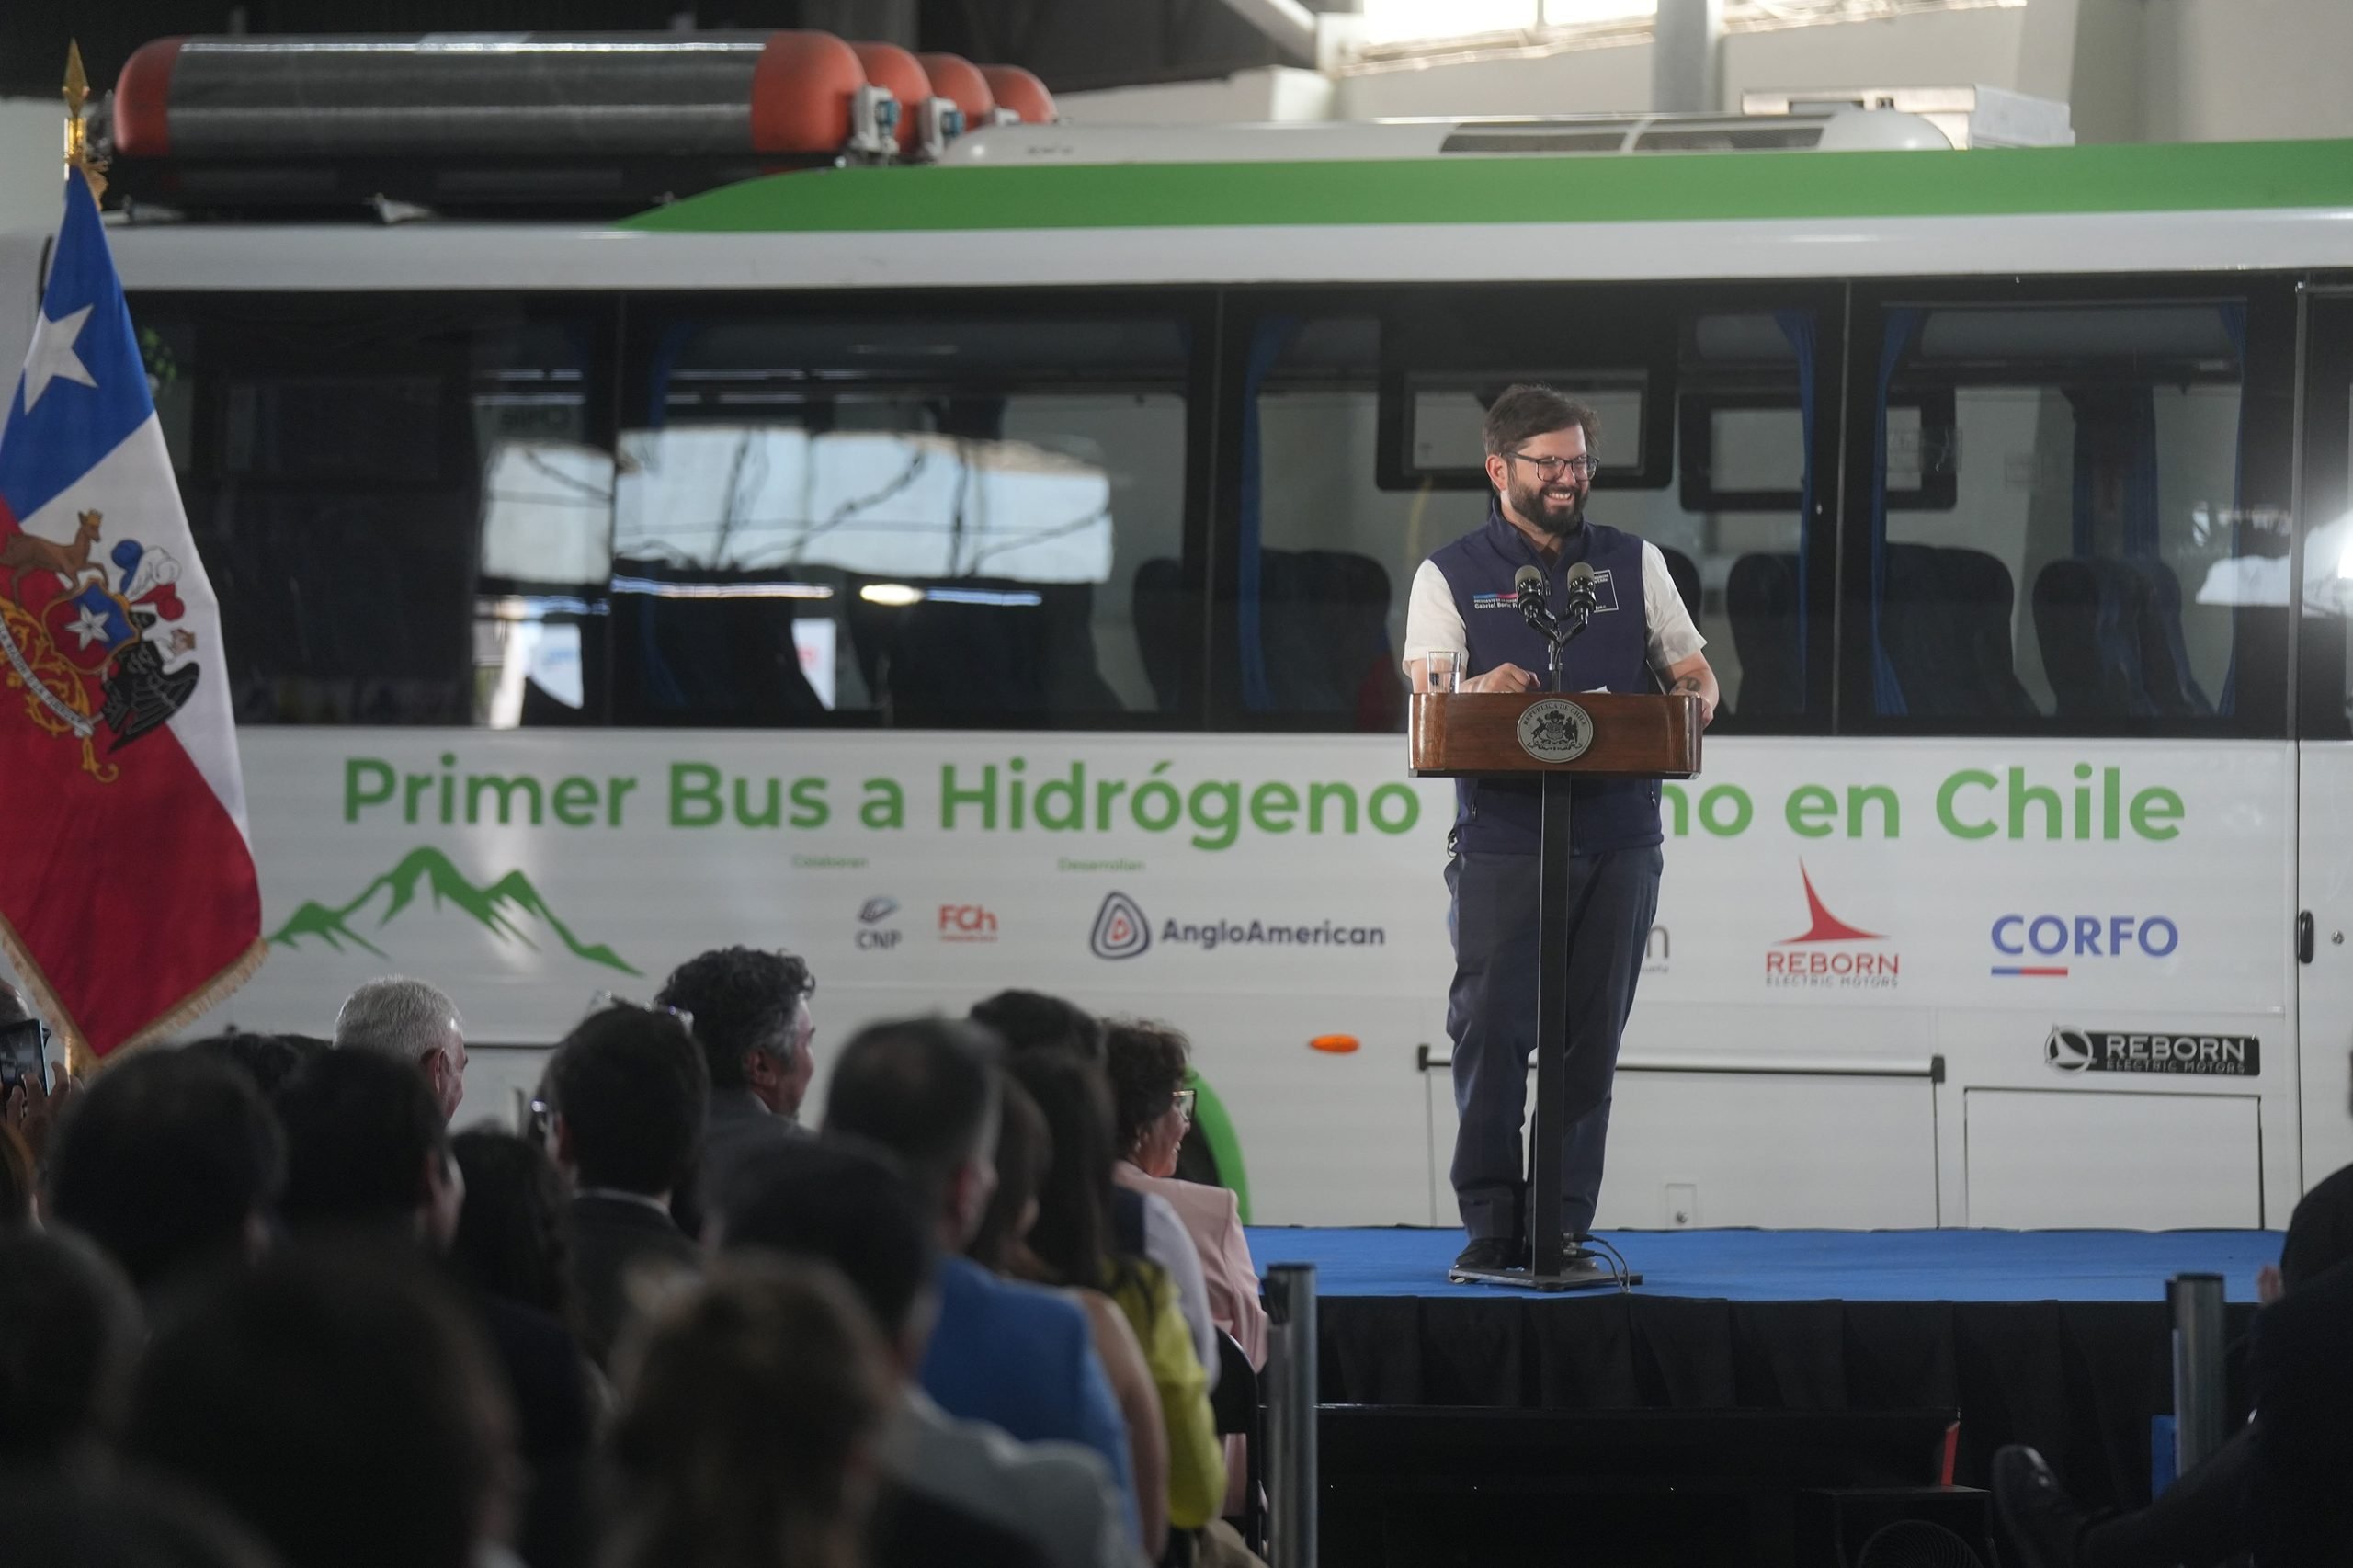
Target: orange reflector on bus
<point>1338,1044</point>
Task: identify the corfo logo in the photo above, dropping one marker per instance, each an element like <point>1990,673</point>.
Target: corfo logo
<point>872,936</point>
<point>1831,954</point>
<point>1555,730</point>
<point>2047,936</point>
<point>1120,929</point>
<point>2071,1050</point>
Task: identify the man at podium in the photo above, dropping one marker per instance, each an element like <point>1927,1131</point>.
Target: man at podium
<point>1464,613</point>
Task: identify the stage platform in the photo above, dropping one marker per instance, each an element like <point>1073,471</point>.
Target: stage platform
<point>2059,1338</point>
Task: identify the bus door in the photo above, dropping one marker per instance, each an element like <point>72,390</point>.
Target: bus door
<point>2324,579</point>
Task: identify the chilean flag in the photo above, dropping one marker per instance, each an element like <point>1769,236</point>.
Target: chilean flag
<point>128,902</point>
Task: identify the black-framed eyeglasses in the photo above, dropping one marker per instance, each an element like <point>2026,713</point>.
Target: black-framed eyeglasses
<point>1551,469</point>
<point>1185,1101</point>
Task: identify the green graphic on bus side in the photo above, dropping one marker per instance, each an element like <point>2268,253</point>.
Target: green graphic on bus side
<point>496,908</point>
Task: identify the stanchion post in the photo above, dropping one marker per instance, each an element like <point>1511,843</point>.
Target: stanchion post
<point>1291,1416</point>
<point>2196,1303</point>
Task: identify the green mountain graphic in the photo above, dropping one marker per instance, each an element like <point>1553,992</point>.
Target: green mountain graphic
<point>496,908</point>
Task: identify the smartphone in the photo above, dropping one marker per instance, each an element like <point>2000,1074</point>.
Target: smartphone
<point>24,1053</point>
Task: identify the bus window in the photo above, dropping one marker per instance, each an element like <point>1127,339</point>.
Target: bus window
<point>350,469</point>
<point>2057,540</point>
<point>1337,523</point>
<point>896,519</point>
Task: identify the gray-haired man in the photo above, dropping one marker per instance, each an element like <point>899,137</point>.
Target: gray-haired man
<point>412,1023</point>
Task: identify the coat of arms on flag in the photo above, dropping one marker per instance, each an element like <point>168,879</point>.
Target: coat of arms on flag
<point>128,899</point>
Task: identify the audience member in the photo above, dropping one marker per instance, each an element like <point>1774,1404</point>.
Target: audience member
<point>170,1162</point>
<point>2277,1486</point>
<point>1072,1238</point>
<point>369,1156</point>
<point>751,1017</point>
<point>415,1024</point>
<point>510,1243</point>
<point>337,1403</point>
<point>30,1109</point>
<point>630,1091</point>
<point>1033,1021</point>
<point>1003,1352</point>
<point>268,1058</point>
<point>1024,1149</point>
<point>96,1518</point>
<point>69,1329</point>
<point>958,1491</point>
<point>1151,1109</point>
<point>750,1404</point>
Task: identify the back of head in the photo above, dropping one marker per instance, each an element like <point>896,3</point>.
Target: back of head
<point>630,1088</point>
<point>921,1088</point>
<point>746,1402</point>
<point>94,1520</point>
<point>510,1241</point>
<point>1032,1020</point>
<point>1024,1151</point>
<point>335,1402</point>
<point>835,1201</point>
<point>168,1161</point>
<point>398,1017</point>
<point>1146,1063</point>
<point>1072,1232</point>
<point>70,1328</point>
<point>268,1058</point>
<point>361,1130</point>
<point>2320,1231</point>
<point>741,999</point>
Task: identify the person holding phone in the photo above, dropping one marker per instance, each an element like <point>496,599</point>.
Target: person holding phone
<point>33,1082</point>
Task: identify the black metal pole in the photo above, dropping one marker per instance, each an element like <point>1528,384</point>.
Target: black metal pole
<point>1544,1215</point>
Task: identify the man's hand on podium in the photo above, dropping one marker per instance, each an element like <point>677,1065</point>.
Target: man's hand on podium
<point>1692,677</point>
<point>1504,678</point>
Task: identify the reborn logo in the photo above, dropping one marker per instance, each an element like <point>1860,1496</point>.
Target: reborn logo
<point>1829,953</point>
<point>2070,1050</point>
<point>1120,929</point>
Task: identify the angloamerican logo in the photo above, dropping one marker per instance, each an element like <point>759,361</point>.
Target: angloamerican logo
<point>1829,954</point>
<point>1121,930</point>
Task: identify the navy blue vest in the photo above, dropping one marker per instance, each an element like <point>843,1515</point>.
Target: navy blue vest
<point>1505,816</point>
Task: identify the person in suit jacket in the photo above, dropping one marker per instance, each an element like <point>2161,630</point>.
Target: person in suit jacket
<point>630,1091</point>
<point>751,1017</point>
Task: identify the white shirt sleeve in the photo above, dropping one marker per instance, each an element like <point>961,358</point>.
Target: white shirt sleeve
<point>1433,624</point>
<point>1169,1245</point>
<point>1673,638</point>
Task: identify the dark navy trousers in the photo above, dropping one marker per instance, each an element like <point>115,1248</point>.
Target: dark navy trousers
<point>1491,1018</point>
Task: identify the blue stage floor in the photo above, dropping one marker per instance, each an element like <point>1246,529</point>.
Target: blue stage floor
<point>1814,1266</point>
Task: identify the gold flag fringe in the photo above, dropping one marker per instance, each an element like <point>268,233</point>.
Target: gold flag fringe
<point>80,1060</point>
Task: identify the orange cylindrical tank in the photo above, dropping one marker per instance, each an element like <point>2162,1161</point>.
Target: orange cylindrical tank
<point>899,74</point>
<point>802,92</point>
<point>1018,90</point>
<point>143,94</point>
<point>960,81</point>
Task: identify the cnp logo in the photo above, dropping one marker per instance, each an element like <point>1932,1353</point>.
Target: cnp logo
<point>1120,929</point>
<point>2068,1050</point>
<point>967,923</point>
<point>2078,936</point>
<point>872,935</point>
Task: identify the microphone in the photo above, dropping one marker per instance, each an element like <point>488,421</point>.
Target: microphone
<point>1530,592</point>
<point>1582,593</point>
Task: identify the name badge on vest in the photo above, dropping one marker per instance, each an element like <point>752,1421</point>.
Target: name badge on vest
<point>1555,730</point>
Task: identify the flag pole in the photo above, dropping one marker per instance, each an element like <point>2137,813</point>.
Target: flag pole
<point>77,130</point>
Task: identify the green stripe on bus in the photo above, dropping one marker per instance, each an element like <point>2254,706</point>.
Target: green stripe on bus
<point>1217,1131</point>
<point>2194,177</point>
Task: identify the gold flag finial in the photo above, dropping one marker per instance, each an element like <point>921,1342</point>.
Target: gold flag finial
<point>77,143</point>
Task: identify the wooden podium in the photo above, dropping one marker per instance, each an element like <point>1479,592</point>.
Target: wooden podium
<point>1558,737</point>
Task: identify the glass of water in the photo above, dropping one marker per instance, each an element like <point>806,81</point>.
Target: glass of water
<point>1443,670</point>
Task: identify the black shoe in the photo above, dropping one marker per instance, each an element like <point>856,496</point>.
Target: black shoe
<point>2035,1509</point>
<point>1489,1254</point>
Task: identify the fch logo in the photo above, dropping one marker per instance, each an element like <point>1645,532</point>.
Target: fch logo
<point>1120,929</point>
<point>967,923</point>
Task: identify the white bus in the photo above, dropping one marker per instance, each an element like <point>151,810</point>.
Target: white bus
<point>992,575</point>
